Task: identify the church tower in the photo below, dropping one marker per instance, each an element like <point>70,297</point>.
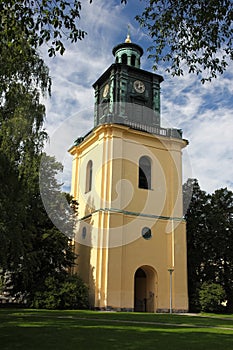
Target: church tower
<point>127,179</point>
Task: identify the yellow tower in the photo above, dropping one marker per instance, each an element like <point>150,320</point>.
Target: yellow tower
<point>127,178</point>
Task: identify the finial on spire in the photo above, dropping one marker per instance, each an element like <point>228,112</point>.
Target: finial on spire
<point>128,40</point>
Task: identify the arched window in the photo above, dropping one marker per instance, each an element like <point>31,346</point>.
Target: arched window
<point>144,173</point>
<point>89,176</point>
<point>124,58</point>
<point>133,60</point>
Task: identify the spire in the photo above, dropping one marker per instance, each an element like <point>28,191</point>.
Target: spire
<point>128,40</point>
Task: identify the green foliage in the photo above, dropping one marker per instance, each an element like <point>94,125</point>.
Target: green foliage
<point>60,207</point>
<point>10,212</point>
<point>196,34</point>
<point>45,250</point>
<point>21,68</point>
<point>31,246</point>
<point>211,296</point>
<point>21,141</point>
<point>32,249</point>
<point>2,284</point>
<point>209,240</point>
<point>195,205</point>
<point>220,223</point>
<point>21,119</point>
<point>67,293</point>
<point>39,22</point>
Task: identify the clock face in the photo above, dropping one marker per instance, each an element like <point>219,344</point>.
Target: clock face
<point>106,90</point>
<point>139,86</point>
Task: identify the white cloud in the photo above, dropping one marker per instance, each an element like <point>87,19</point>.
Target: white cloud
<point>205,114</point>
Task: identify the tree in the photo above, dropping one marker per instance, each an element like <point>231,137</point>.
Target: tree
<point>197,238</point>
<point>32,249</point>
<point>23,79</point>
<point>39,22</point>
<point>60,207</point>
<point>10,212</point>
<point>220,223</point>
<point>46,252</point>
<point>21,140</point>
<point>197,34</point>
<point>209,240</point>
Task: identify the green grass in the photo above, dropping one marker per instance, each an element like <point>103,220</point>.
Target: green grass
<point>68,330</point>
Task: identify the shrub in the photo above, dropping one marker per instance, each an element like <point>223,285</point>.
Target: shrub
<point>70,293</point>
<point>211,297</point>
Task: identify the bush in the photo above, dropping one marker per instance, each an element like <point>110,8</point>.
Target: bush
<point>194,302</point>
<point>211,297</point>
<point>70,293</point>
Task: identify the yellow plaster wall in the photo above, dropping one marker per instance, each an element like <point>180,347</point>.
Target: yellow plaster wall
<point>117,249</point>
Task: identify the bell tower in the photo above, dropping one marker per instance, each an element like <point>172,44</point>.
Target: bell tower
<point>125,93</point>
<point>127,179</point>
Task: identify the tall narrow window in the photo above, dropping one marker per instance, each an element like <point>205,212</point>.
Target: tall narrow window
<point>144,173</point>
<point>89,176</point>
<point>124,58</point>
<point>133,60</point>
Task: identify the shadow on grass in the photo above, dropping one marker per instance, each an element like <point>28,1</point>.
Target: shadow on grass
<point>61,330</point>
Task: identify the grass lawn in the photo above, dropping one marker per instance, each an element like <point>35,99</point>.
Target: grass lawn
<point>75,330</point>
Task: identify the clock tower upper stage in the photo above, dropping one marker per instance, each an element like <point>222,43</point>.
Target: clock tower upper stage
<point>125,93</point>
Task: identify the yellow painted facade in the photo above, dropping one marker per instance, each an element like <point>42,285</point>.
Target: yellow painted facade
<point>124,270</point>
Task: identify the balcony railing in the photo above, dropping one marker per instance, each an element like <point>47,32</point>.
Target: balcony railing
<point>156,130</point>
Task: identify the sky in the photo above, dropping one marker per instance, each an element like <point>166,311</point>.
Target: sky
<point>203,112</point>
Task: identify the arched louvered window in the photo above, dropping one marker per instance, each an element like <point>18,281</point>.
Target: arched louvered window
<point>89,176</point>
<point>144,173</point>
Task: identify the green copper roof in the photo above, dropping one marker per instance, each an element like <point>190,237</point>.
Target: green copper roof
<point>127,46</point>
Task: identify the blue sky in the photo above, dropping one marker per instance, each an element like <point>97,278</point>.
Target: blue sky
<point>203,112</point>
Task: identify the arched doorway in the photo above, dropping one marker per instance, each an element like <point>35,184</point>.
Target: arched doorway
<point>145,289</point>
